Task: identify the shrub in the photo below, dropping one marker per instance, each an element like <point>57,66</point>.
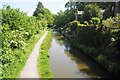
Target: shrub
<point>17,29</point>
<point>86,23</point>
<point>95,20</point>
<point>101,58</point>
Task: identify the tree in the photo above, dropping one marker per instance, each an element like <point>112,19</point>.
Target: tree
<point>63,18</point>
<point>111,8</point>
<point>46,16</point>
<point>38,9</point>
<point>81,5</point>
<point>43,15</point>
<point>92,10</point>
<point>70,5</point>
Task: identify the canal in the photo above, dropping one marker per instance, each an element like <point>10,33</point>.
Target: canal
<point>68,62</point>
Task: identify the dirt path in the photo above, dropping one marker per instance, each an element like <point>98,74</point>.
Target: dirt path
<point>30,69</point>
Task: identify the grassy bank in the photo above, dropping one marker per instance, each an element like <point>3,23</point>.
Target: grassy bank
<point>98,41</point>
<point>14,69</point>
<point>97,56</point>
<point>43,59</point>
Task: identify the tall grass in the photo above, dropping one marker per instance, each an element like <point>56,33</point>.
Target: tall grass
<point>43,59</point>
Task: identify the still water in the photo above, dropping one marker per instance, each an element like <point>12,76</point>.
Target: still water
<point>66,63</point>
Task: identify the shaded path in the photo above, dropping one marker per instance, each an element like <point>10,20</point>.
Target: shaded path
<point>30,69</point>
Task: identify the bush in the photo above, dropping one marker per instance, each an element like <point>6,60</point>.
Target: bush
<point>74,23</point>
<point>86,23</point>
<point>73,26</point>
<point>101,58</point>
<point>95,20</point>
<point>17,29</point>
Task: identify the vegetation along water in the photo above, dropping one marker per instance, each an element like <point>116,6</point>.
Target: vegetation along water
<point>82,42</point>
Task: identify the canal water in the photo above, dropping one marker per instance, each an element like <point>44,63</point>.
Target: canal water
<point>68,62</point>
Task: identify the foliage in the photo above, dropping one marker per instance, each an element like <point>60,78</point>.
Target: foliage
<point>92,10</point>
<point>17,29</point>
<point>73,25</point>
<point>46,16</point>
<point>101,58</point>
<point>43,14</point>
<point>108,23</point>
<point>20,56</point>
<point>86,23</point>
<point>95,20</point>
<point>38,9</point>
<point>43,59</point>
<point>114,26</point>
<point>62,18</point>
<point>99,40</point>
<point>110,9</point>
<point>79,5</point>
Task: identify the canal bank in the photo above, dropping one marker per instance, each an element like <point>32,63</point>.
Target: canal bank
<point>68,62</point>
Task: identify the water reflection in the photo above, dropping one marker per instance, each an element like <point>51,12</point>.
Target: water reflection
<point>68,62</point>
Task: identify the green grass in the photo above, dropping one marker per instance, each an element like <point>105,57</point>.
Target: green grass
<point>14,70</point>
<point>43,59</point>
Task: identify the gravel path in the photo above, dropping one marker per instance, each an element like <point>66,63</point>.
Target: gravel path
<point>30,69</point>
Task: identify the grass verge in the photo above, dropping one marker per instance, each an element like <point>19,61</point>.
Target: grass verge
<point>43,59</point>
<point>14,70</point>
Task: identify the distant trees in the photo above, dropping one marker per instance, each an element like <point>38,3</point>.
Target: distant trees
<point>111,8</point>
<point>62,18</point>
<point>44,14</point>
<point>89,10</point>
<point>38,9</point>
